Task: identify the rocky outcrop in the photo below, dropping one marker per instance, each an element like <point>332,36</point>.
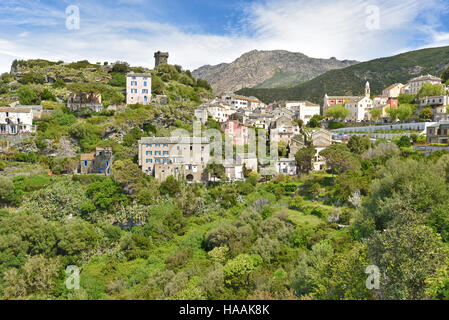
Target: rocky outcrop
<point>266,69</point>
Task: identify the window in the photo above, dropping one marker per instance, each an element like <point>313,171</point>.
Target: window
<point>106,163</point>
<point>86,163</point>
<point>147,152</point>
<point>144,83</point>
<point>145,99</point>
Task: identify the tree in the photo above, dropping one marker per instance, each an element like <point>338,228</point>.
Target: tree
<point>337,112</point>
<point>315,121</point>
<point>46,94</point>
<point>359,144</point>
<point>170,186</point>
<point>215,171</point>
<point>407,255</point>
<point>253,178</point>
<point>426,113</point>
<point>445,75</point>
<point>120,67</point>
<point>405,111</point>
<point>118,80</point>
<point>430,90</point>
<point>376,113</point>
<point>282,149</point>
<point>106,195</point>
<point>27,96</point>
<point>237,270</point>
<point>304,158</point>
<point>392,112</point>
<point>339,158</point>
<point>404,142</point>
<point>406,98</point>
<point>157,85</point>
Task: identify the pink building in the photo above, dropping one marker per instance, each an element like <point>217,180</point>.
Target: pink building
<point>239,133</point>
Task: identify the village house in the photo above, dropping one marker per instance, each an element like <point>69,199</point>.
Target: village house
<point>438,132</point>
<point>321,139</point>
<point>296,143</point>
<point>89,100</point>
<point>359,109</point>
<point>303,110</point>
<point>233,170</point>
<point>260,120</point>
<point>286,166</point>
<point>282,112</point>
<point>247,103</point>
<point>331,101</point>
<point>415,84</point>
<point>161,156</point>
<point>393,91</point>
<point>138,88</point>
<point>249,160</point>
<point>16,120</point>
<point>238,133</point>
<point>98,162</point>
<point>220,112</point>
<point>438,104</point>
<point>283,129</point>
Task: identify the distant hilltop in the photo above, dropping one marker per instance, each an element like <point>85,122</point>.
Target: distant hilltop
<point>267,69</point>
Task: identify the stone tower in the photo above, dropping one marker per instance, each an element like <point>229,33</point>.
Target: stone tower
<point>367,90</point>
<point>160,57</point>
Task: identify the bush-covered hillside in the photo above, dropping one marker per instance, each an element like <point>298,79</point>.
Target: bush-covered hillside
<point>351,80</point>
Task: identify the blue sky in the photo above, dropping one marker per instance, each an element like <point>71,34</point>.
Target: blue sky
<point>198,32</point>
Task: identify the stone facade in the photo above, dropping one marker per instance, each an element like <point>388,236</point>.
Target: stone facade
<point>99,162</point>
<point>155,151</point>
<point>90,100</point>
<point>160,58</point>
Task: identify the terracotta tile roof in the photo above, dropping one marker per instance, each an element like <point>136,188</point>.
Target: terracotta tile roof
<point>87,157</point>
<point>15,110</point>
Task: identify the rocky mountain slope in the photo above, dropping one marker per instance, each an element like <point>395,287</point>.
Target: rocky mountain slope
<point>267,69</point>
<point>351,80</point>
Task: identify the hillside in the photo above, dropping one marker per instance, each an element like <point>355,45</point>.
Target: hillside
<point>266,69</point>
<point>350,81</point>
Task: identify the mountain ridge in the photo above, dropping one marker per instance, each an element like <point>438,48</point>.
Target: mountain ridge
<point>266,69</point>
<point>380,72</point>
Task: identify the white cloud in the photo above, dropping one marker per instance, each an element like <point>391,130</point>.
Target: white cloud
<point>321,28</point>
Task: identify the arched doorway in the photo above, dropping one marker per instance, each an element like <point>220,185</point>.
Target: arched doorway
<point>189,178</point>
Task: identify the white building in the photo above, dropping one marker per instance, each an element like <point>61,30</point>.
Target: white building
<point>16,120</point>
<point>220,112</point>
<point>415,84</point>
<point>303,110</point>
<point>286,166</point>
<point>138,88</point>
<point>249,160</point>
<point>247,103</point>
<point>360,109</point>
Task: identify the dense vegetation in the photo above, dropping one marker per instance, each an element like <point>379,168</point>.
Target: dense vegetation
<point>350,81</point>
<point>311,237</point>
